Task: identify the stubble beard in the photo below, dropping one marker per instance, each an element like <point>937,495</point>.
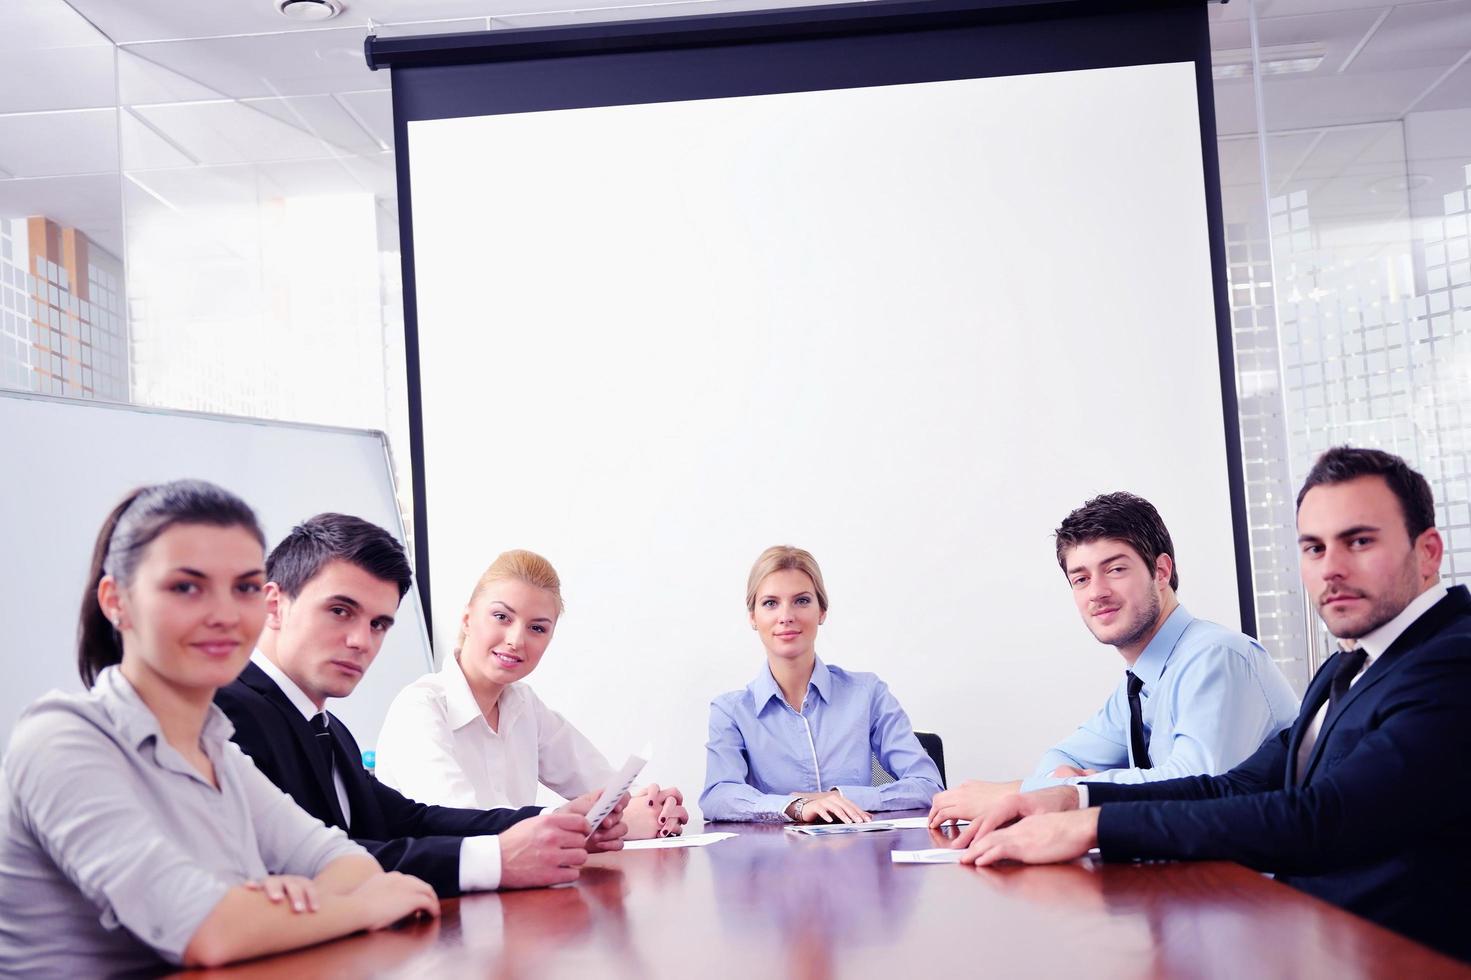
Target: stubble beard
<point>1141,624</point>
<point>1383,607</point>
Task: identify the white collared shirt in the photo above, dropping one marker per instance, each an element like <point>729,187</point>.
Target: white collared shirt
<point>480,857</point>
<point>437,747</point>
<point>1374,644</point>
<point>308,710</point>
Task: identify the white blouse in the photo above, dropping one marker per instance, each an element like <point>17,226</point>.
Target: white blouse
<point>436,747</point>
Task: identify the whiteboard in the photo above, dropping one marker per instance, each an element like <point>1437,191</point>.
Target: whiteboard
<point>907,327</point>
<point>69,462</point>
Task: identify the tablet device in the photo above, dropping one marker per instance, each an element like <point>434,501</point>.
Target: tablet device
<point>616,788</point>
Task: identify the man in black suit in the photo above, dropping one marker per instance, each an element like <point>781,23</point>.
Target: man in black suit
<point>1358,802</point>
<point>334,585</point>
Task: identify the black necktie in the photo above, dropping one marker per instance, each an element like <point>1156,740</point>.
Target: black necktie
<point>1136,723</point>
<point>324,737</point>
<point>1350,662</point>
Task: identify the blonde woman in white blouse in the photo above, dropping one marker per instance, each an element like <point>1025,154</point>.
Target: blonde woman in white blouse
<point>474,735</point>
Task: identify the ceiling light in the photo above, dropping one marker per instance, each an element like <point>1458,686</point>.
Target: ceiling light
<point>1276,59</point>
<point>309,9</point>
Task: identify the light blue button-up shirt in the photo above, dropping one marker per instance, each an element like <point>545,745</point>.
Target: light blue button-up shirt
<point>1211,697</point>
<point>761,752</point>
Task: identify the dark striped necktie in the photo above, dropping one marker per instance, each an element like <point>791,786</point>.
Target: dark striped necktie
<point>1137,741</point>
<point>324,737</point>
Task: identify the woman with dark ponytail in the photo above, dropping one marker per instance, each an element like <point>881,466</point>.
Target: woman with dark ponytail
<point>132,830</point>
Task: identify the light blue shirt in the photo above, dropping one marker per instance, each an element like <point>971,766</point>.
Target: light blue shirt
<point>761,753</point>
<point>1211,697</point>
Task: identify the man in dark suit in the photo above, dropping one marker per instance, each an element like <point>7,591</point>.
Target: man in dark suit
<point>1358,802</point>
<point>334,585</point>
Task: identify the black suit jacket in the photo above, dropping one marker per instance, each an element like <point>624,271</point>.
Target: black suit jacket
<point>403,835</point>
<point>1379,823</point>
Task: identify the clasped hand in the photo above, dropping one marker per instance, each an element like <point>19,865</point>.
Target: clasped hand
<point>655,812</point>
<point>1041,827</point>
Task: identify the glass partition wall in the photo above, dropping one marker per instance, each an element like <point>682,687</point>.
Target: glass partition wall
<point>1345,144</point>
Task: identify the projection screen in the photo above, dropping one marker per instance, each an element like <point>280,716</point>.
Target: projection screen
<point>901,298</point>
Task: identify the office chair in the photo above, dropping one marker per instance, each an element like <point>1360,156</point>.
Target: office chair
<point>933,746</point>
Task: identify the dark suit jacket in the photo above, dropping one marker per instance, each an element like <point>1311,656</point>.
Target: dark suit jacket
<point>403,835</point>
<point>1378,826</point>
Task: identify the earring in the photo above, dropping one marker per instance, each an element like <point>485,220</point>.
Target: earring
<point>753,626</point>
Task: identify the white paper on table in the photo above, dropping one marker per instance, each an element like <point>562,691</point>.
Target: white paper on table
<point>616,789</point>
<point>655,843</point>
<point>933,855</point>
<point>914,823</point>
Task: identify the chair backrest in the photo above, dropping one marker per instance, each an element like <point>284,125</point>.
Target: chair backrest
<point>933,746</point>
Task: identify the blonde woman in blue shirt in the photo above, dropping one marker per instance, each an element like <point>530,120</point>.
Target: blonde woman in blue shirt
<point>798,742</point>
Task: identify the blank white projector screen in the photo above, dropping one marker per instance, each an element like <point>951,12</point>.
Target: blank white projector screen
<point>905,327</point>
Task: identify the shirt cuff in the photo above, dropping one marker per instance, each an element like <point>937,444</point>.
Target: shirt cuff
<point>480,864</point>
<point>1082,789</point>
<point>865,797</point>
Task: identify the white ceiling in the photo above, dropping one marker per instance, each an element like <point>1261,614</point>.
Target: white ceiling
<point>225,97</point>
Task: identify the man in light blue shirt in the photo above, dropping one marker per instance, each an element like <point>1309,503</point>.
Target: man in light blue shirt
<point>1195,699</point>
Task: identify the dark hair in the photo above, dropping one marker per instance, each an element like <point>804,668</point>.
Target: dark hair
<point>129,529</point>
<point>337,537</point>
<point>1122,516</point>
<point>1343,463</point>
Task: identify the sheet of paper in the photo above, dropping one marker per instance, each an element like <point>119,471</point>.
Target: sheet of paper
<point>658,843</point>
<point>913,823</point>
<point>933,855</point>
<point>616,788</point>
<point>832,829</point>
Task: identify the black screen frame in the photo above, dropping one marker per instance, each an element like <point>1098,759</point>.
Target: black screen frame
<point>795,50</point>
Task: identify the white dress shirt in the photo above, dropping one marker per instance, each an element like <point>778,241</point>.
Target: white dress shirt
<point>437,747</point>
<point>480,857</point>
<point>1374,644</point>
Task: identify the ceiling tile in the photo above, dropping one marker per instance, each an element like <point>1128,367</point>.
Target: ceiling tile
<point>50,144</point>
<point>144,148</point>
<point>141,81</point>
<point>224,132</point>
<point>38,79</point>
<point>34,24</point>
<point>1297,101</point>
<point>374,111</point>
<point>1454,92</point>
<point>314,63</point>
<point>323,117</point>
<point>1421,30</point>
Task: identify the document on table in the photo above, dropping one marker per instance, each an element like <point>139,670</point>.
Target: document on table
<point>914,823</point>
<point>834,829</point>
<point>657,843</point>
<point>933,855</point>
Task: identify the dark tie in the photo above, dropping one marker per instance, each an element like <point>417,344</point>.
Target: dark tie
<point>1136,723</point>
<point>1350,662</point>
<point>324,737</point>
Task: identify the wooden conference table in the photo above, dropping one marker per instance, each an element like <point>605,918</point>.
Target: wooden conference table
<point>769,904</point>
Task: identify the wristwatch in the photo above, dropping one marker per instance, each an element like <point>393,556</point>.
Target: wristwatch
<point>794,808</point>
